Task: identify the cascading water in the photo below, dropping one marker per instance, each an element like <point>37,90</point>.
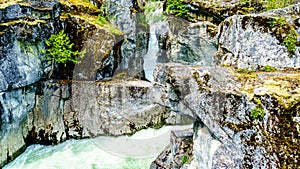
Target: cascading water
<point>135,152</point>
<point>158,27</point>
<point>149,58</point>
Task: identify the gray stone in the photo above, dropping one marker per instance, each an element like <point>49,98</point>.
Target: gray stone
<point>249,41</point>
<point>181,144</point>
<point>190,43</point>
<point>226,135</point>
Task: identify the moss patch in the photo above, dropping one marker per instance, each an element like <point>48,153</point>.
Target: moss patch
<point>79,6</point>
<point>276,26</point>
<point>6,3</point>
<point>91,19</point>
<point>282,85</point>
<point>23,22</point>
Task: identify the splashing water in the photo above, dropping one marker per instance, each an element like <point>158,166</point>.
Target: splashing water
<point>135,152</point>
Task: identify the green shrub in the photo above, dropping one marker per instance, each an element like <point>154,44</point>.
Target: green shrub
<point>184,159</point>
<point>178,8</point>
<point>257,113</point>
<point>60,49</point>
<point>277,22</point>
<point>102,20</point>
<point>290,42</point>
<point>274,4</point>
<point>251,6</point>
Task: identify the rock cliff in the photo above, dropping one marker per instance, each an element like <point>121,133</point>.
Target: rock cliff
<point>227,132</point>
<point>244,116</point>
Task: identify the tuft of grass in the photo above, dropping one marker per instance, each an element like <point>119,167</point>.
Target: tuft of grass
<point>268,68</point>
<point>257,113</point>
<point>291,40</point>
<point>245,70</point>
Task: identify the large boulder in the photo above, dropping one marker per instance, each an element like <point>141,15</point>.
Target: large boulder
<point>245,121</point>
<point>191,43</point>
<point>257,40</point>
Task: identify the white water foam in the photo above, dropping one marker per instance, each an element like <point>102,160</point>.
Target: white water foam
<point>135,152</point>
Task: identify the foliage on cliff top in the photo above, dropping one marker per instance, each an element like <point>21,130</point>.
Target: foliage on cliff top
<point>285,33</point>
<point>178,8</point>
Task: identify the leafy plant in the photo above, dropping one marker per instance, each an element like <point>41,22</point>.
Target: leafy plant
<point>102,20</point>
<point>184,159</point>
<point>291,41</point>
<point>60,50</point>
<point>178,8</point>
<point>257,113</point>
<point>268,68</point>
<point>277,22</point>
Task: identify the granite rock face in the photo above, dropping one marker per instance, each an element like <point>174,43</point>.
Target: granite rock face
<point>228,134</point>
<point>51,112</point>
<point>125,14</point>
<point>257,40</point>
<point>24,28</point>
<point>22,61</point>
<point>15,105</point>
<point>190,43</point>
<point>180,149</point>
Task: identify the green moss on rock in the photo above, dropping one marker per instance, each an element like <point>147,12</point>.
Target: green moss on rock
<point>282,85</point>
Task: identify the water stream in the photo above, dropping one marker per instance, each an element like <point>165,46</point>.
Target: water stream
<point>150,57</point>
<point>156,21</point>
<point>134,152</point>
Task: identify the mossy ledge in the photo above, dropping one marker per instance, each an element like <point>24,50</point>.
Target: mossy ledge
<point>282,85</point>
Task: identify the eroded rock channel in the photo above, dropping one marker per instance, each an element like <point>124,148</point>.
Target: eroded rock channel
<point>230,68</point>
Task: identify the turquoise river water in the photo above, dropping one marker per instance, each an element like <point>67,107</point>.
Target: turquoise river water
<point>134,152</point>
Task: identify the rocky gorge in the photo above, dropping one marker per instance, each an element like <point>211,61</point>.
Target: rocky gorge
<point>229,67</point>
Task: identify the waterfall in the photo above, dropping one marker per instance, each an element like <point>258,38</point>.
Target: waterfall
<point>158,27</point>
<point>150,57</point>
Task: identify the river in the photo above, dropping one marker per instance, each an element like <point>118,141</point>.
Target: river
<point>124,152</point>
